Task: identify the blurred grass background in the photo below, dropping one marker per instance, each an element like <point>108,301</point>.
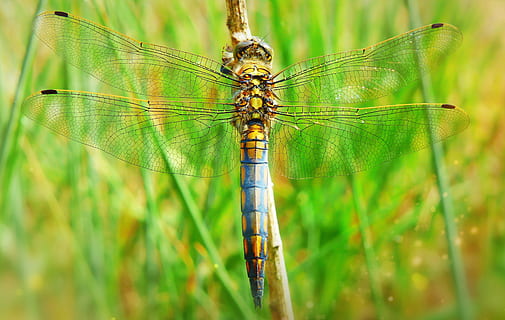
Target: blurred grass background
<point>84,235</point>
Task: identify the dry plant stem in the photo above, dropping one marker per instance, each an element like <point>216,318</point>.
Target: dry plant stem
<point>280,299</point>
<point>237,21</point>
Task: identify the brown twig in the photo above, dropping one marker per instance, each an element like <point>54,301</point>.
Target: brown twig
<point>237,21</point>
<point>277,276</point>
<point>277,279</point>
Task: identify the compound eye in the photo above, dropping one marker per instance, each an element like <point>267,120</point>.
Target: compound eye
<point>268,50</point>
<point>241,47</point>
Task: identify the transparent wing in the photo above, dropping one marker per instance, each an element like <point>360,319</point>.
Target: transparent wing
<point>360,75</point>
<point>333,141</point>
<point>191,138</point>
<point>128,64</point>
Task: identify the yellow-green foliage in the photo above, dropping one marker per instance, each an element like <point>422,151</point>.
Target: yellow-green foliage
<point>84,235</point>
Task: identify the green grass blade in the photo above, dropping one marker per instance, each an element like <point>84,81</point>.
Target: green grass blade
<point>195,213</point>
<point>368,250</point>
<point>9,138</point>
<point>446,203</point>
<point>10,208</point>
<point>197,219</point>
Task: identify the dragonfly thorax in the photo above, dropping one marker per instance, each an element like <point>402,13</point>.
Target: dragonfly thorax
<point>255,99</point>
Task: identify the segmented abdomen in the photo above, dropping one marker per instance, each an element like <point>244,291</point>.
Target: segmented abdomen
<point>254,182</point>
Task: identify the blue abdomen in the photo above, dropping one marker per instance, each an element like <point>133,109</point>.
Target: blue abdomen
<point>254,183</point>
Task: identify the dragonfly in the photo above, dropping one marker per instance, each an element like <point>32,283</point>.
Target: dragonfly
<point>191,115</point>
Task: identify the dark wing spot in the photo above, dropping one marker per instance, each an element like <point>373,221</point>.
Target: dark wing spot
<point>49,91</point>
<point>448,106</point>
<point>61,14</point>
<point>437,25</point>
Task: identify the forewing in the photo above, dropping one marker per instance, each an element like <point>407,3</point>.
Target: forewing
<point>191,138</point>
<point>360,75</point>
<point>122,62</point>
<point>332,141</point>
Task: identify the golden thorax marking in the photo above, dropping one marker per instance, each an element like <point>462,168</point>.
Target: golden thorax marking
<point>256,102</point>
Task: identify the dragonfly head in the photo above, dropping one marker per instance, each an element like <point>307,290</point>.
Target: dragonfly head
<point>253,49</point>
